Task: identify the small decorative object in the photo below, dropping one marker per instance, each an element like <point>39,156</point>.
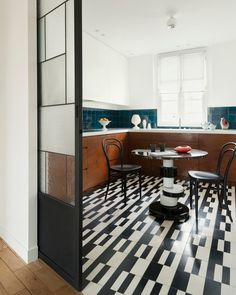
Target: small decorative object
<point>224,123</point>
<point>205,125</point>
<point>153,147</point>
<point>104,122</point>
<point>144,124</point>
<point>149,126</point>
<point>162,147</point>
<point>212,126</point>
<point>135,120</point>
<point>183,148</point>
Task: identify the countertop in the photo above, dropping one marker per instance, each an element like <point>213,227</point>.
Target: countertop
<point>160,130</point>
<point>101,132</point>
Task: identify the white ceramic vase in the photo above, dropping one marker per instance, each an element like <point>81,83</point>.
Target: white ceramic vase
<point>135,120</point>
<point>224,124</point>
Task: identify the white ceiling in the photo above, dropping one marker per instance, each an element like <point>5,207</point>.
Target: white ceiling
<point>136,27</point>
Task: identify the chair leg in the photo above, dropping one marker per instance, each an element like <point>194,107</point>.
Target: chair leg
<point>219,195</point>
<point>225,201</point>
<point>140,184</point>
<point>124,187</point>
<point>191,194</point>
<point>108,185</point>
<point>196,199</point>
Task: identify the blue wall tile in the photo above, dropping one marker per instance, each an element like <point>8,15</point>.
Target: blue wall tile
<point>122,118</point>
<point>216,113</point>
<point>118,118</point>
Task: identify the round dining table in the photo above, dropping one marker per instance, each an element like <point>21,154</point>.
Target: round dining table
<point>168,207</point>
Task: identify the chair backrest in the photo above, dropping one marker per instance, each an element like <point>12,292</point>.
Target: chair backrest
<point>111,147</point>
<point>226,157</point>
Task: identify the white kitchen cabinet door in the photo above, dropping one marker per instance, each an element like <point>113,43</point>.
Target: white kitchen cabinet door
<point>95,70</point>
<point>105,73</point>
<point>118,78</point>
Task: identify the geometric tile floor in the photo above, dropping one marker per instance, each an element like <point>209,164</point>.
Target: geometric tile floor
<point>127,251</point>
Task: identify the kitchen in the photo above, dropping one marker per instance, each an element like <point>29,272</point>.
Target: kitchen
<point>119,85</point>
<point>157,73</point>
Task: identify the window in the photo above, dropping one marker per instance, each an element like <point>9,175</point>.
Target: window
<point>182,88</point>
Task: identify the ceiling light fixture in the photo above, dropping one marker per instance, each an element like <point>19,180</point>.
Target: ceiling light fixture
<point>171,23</point>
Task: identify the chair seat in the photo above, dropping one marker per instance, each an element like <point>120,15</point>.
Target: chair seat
<point>126,168</point>
<point>205,176</point>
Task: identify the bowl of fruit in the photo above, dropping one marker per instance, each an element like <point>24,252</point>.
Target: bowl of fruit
<point>104,122</point>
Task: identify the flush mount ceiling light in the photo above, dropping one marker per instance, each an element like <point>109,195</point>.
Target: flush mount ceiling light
<point>171,22</point>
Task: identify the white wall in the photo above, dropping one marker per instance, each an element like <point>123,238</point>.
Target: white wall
<point>18,127</point>
<point>141,82</point>
<point>222,74</point>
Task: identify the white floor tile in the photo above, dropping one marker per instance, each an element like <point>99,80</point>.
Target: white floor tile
<point>140,250</point>
<point>95,271</point>
<point>132,285</point>
<point>196,285</point>
<point>163,257</point>
<point>227,290</point>
<point>119,281</point>
<point>166,275</point>
<point>218,273</point>
<point>136,236</point>
<point>203,253</point>
<point>229,260</point>
<point>140,267</point>
<point>178,247</point>
<point>189,264</point>
<point>148,287</point>
<point>96,252</point>
<point>155,242</point>
<point>116,259</point>
<point>107,276</point>
<point>87,264</point>
<point>92,289</point>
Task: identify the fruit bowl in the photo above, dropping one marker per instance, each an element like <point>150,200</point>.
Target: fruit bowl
<point>104,122</point>
<point>183,148</point>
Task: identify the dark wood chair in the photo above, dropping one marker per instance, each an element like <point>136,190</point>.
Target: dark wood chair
<point>219,178</point>
<point>114,147</point>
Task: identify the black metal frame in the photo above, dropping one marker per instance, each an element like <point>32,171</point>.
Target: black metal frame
<point>68,266</point>
<point>78,137</point>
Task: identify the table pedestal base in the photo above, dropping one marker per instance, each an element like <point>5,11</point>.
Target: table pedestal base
<point>180,212</point>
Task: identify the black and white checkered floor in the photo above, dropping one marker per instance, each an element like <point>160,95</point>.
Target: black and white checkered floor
<point>127,251</point>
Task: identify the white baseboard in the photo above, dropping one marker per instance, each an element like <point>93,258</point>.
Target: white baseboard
<point>28,255</point>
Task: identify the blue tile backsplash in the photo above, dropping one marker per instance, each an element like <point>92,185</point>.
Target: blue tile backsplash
<point>229,113</point>
<point>122,118</point>
<point>118,118</point>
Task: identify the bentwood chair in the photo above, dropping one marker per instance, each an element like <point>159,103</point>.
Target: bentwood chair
<point>113,147</point>
<point>219,178</point>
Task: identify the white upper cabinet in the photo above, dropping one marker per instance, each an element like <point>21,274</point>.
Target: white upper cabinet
<point>105,71</point>
<point>118,78</point>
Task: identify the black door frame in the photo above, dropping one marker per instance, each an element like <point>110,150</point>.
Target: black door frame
<point>48,205</point>
<point>78,135</point>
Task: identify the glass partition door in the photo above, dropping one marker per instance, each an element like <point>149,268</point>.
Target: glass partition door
<point>59,214</point>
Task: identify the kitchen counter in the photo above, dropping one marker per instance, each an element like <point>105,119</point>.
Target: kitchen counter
<point>200,131</point>
<point>107,132</point>
<point>159,130</point>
